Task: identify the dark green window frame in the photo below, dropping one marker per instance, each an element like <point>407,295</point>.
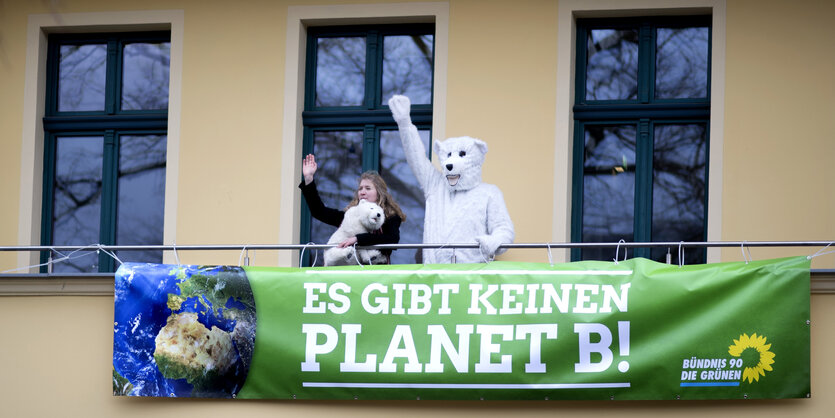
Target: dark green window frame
<point>110,123</point>
<point>643,113</point>
<point>372,116</point>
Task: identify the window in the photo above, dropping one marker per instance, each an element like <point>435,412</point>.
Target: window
<point>642,115</point>
<point>351,74</point>
<point>105,145</point>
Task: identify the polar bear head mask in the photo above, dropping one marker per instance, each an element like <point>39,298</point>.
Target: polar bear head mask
<point>461,159</point>
<point>368,215</point>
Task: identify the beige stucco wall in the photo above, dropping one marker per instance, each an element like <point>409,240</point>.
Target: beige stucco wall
<point>780,129</point>
<point>777,142</point>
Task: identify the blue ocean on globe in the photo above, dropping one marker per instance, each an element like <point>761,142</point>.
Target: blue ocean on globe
<point>149,296</point>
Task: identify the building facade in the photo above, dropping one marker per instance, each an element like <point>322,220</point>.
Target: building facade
<point>595,129</point>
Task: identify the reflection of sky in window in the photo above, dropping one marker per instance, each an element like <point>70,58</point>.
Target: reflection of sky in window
<point>407,67</point>
<point>139,219</point>
<point>145,76</point>
<point>404,187</point>
<point>681,63</point>
<point>81,77</point>
<point>612,65</point>
<point>340,71</point>
<point>77,199</point>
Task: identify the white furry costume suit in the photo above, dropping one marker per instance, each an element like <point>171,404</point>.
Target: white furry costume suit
<point>460,209</point>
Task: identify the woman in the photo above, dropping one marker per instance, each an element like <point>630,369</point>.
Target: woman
<point>372,188</point>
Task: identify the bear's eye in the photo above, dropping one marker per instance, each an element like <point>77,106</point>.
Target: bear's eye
<point>462,153</point>
<point>449,154</point>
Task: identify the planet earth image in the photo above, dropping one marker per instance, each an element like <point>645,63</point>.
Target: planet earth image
<point>182,330</point>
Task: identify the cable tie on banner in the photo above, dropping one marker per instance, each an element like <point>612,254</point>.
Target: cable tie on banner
<point>65,257</point>
<point>100,247</point>
<point>550,258</point>
<point>744,257</point>
<point>176,256</point>
<point>437,253</point>
<point>52,261</point>
<point>680,255</point>
<point>356,257</point>
<point>820,252</point>
<point>301,254</point>
<point>246,259</point>
<point>483,258</point>
<point>617,250</point>
<point>49,261</point>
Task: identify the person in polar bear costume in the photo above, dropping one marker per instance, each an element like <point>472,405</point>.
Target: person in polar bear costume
<point>460,208</point>
<point>363,218</point>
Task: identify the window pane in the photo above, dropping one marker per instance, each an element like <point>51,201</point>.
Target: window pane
<point>340,71</point>
<point>612,65</point>
<point>404,187</point>
<point>77,200</point>
<point>139,217</point>
<point>681,63</point>
<point>81,77</point>
<point>339,156</point>
<point>145,76</point>
<point>678,187</point>
<point>407,67</point>
<point>608,187</point>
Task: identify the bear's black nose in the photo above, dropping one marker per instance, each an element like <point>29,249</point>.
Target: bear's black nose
<point>449,167</point>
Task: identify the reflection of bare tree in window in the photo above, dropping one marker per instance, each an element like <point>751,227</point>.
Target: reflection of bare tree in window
<point>339,155</point>
<point>141,199</point>
<point>681,63</point>
<point>77,198</point>
<point>403,186</point>
<point>407,67</point>
<point>678,190</point>
<point>145,76</point>
<point>340,71</point>
<point>608,186</point>
<point>612,64</point>
<point>81,79</point>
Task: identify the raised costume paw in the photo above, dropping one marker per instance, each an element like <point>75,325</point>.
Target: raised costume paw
<point>400,107</point>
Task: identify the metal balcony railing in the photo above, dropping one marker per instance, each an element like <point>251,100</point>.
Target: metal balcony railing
<point>19,282</point>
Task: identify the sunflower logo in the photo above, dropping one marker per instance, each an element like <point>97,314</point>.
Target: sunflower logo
<point>754,349</point>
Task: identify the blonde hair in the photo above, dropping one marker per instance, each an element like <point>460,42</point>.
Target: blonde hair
<point>384,198</point>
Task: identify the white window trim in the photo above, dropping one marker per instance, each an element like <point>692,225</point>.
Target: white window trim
<point>299,18</point>
<point>569,11</point>
<point>32,141</point>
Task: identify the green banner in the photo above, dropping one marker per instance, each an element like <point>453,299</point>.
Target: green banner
<point>636,329</point>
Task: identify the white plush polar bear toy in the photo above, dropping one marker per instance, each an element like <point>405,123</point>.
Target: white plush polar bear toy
<point>363,218</point>
<point>460,209</point>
